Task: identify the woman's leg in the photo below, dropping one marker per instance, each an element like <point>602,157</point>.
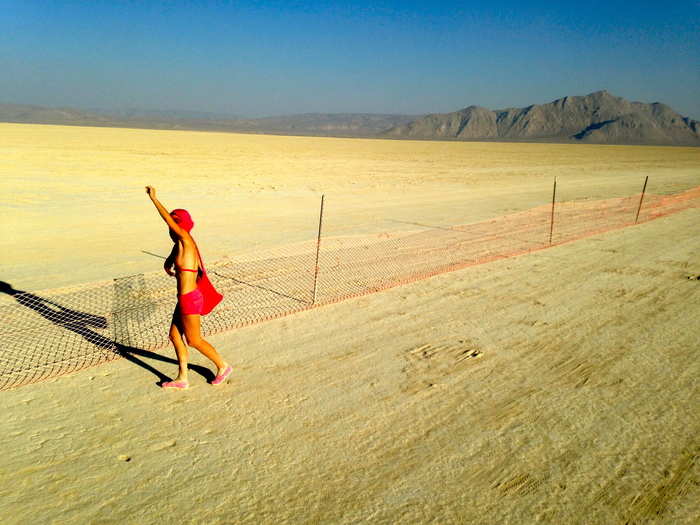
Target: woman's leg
<point>176,331</point>
<point>193,334</point>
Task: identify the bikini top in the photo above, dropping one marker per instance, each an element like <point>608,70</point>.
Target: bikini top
<point>178,269</point>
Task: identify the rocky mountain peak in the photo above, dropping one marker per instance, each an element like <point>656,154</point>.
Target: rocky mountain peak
<point>599,117</point>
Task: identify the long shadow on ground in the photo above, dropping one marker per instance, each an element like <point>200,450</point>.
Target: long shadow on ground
<point>85,325</point>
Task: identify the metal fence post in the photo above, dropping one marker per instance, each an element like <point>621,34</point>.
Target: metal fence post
<point>551,220</point>
<point>641,199</point>
<point>318,249</point>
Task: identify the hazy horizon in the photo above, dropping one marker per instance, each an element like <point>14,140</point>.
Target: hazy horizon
<point>195,114</point>
<point>256,60</point>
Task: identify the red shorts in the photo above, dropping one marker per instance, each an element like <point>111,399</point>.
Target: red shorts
<point>191,302</point>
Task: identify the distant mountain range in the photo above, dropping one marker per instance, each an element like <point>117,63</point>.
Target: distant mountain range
<point>343,124</point>
<point>316,124</point>
<point>599,118</point>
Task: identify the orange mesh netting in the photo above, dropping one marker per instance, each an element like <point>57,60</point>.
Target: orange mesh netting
<point>49,333</point>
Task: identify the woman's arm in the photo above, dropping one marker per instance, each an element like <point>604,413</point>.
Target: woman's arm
<point>164,213</point>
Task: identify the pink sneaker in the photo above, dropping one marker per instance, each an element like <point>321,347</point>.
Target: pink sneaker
<point>176,385</point>
<point>223,376</point>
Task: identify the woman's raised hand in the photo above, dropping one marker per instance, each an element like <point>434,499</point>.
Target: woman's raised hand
<point>151,191</point>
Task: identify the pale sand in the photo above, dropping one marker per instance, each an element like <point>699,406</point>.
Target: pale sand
<point>558,387</point>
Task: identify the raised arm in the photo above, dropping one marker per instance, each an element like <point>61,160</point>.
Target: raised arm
<point>180,232</point>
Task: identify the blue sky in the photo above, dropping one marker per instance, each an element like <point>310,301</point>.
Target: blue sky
<point>271,58</point>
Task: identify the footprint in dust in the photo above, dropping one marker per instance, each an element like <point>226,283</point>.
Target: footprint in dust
<point>428,363</point>
<point>162,446</point>
<point>468,353</point>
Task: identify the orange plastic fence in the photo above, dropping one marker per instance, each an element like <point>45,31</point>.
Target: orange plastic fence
<point>54,332</point>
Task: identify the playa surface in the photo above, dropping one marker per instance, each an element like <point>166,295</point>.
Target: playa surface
<point>555,387</point>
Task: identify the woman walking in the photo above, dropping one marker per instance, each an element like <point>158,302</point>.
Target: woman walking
<point>186,323</point>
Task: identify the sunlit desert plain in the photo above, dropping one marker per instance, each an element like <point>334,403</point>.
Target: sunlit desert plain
<point>558,386</point>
